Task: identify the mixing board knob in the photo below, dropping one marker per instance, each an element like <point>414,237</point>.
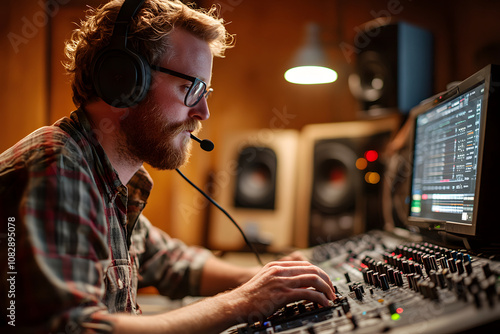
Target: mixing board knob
<point>406,267</point>
<point>432,291</point>
<point>433,262</point>
<point>419,256</point>
<point>376,280</point>
<point>452,265</point>
<point>345,306</point>
<point>447,253</point>
<point>460,288</point>
<point>427,263</point>
<point>411,281</point>
<point>398,263</point>
<point>454,255</point>
<point>467,257</point>
<point>487,270</point>
<point>460,266</point>
<point>412,253</point>
<point>423,287</point>
<point>289,311</point>
<point>369,275</point>
<point>491,292</point>
<point>475,291</point>
<point>418,269</point>
<point>468,267</point>
<point>441,280</point>
<point>433,276</point>
<point>364,272</point>
<point>386,256</point>
<point>390,275</point>
<point>399,278</point>
<point>347,278</point>
<point>381,268</point>
<point>359,294</point>
<point>384,284</point>
<point>411,266</point>
<point>449,280</point>
<point>371,265</point>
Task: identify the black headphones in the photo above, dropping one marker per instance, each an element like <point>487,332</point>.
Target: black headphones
<point>121,76</point>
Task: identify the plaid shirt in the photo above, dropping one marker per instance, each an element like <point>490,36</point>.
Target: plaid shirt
<point>81,242</point>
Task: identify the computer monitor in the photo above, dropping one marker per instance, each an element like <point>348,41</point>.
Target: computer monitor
<point>455,176</point>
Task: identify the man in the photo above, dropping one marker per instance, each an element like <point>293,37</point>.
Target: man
<point>74,192</point>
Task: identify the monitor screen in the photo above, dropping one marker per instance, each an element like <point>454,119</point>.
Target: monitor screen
<point>450,156</point>
<point>446,158</point>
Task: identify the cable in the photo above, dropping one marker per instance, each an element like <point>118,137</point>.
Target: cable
<point>249,244</point>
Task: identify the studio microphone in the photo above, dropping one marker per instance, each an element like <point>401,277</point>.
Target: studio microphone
<point>205,144</point>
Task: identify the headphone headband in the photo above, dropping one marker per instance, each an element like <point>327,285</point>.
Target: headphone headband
<point>124,19</point>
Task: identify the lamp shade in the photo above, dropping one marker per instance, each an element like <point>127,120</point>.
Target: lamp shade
<point>310,65</point>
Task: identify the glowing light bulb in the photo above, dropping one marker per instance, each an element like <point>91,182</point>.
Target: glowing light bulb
<point>361,163</point>
<point>371,155</point>
<point>310,75</point>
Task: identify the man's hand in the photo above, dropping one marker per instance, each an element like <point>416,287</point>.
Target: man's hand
<point>280,283</point>
<point>219,275</point>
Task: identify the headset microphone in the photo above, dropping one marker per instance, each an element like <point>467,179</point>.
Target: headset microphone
<point>205,144</point>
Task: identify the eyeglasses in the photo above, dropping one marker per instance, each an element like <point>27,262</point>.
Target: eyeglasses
<point>196,92</point>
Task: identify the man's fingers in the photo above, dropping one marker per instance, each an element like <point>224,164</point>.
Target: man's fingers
<point>312,281</point>
<point>310,295</point>
<point>301,277</point>
<point>291,269</point>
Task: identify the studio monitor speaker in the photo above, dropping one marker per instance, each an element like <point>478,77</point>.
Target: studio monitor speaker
<point>255,181</point>
<point>339,179</point>
<point>394,66</point>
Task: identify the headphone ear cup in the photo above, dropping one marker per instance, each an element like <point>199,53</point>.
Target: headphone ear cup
<point>121,77</point>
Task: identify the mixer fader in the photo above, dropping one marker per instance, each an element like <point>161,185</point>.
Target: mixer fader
<point>387,283</point>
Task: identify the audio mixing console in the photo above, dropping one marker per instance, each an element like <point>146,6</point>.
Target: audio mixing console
<point>392,284</point>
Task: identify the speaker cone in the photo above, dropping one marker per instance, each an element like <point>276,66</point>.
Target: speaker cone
<point>336,179</point>
<point>256,178</point>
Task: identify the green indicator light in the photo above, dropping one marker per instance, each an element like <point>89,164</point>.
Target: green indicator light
<point>395,317</point>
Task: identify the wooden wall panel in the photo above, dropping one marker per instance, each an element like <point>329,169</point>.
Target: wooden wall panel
<point>23,90</point>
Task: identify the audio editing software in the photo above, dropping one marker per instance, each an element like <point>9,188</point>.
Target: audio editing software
<point>446,159</point>
<point>388,283</point>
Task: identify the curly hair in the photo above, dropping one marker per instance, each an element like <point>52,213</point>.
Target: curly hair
<point>148,33</point>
